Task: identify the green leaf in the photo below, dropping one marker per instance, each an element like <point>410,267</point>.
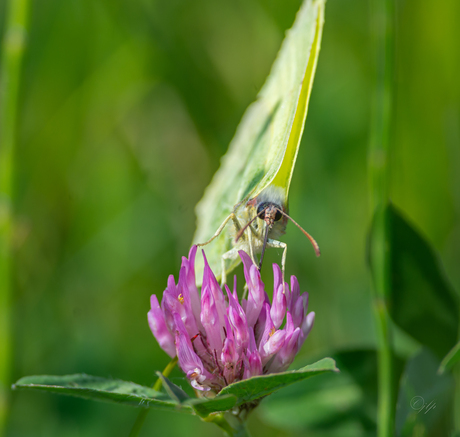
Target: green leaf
<point>422,302</point>
<point>129,393</point>
<point>101,389</point>
<point>175,392</point>
<point>203,407</point>
<point>334,399</point>
<point>343,404</point>
<point>450,359</point>
<point>424,398</point>
<point>258,386</point>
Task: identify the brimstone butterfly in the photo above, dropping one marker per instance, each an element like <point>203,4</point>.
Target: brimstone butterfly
<point>247,199</point>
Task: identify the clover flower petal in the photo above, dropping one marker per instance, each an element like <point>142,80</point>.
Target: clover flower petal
<point>219,340</point>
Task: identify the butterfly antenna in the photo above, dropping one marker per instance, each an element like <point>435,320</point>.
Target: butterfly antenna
<point>312,240</point>
<point>241,231</point>
<point>267,228</point>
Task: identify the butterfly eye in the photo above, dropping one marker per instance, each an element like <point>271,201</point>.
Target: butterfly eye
<point>261,209</point>
<point>264,206</point>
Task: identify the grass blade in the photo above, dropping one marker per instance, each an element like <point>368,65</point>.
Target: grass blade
<point>13,47</point>
<point>379,146</point>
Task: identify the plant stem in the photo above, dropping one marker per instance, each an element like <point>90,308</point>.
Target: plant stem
<point>157,386</point>
<point>231,425</point>
<point>379,147</point>
<point>13,47</point>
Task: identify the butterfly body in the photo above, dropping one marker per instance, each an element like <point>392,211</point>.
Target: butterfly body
<point>245,206</point>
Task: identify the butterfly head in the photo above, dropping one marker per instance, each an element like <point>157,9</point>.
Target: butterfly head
<point>269,212</point>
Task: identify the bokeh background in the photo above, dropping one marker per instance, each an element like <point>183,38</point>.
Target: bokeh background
<point>125,109</point>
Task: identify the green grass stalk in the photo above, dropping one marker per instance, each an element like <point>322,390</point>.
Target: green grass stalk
<point>13,46</point>
<point>382,22</point>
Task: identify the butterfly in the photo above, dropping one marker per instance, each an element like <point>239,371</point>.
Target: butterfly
<point>245,207</point>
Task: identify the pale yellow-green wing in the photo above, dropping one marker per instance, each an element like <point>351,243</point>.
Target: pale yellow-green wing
<point>264,148</point>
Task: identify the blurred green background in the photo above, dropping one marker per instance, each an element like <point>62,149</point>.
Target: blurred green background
<point>125,109</point>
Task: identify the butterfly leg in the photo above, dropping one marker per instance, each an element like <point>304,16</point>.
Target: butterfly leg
<point>279,245</point>
<point>251,247</point>
<point>249,234</point>
<point>232,254</point>
<point>250,237</point>
<point>231,216</point>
